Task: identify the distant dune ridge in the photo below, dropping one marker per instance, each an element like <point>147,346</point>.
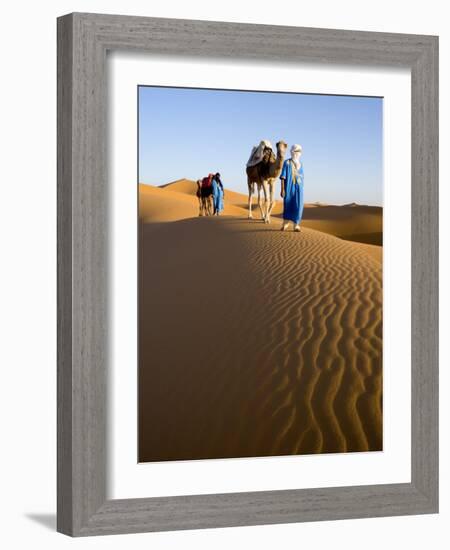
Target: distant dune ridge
<point>255,342</point>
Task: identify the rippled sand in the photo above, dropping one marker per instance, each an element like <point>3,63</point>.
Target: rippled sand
<point>255,342</point>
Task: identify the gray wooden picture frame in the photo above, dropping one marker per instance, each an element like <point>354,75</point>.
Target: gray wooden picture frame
<point>83,41</point>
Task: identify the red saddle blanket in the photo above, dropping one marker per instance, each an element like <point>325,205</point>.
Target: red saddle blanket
<point>207,182</point>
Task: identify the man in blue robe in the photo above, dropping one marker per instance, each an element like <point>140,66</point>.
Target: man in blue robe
<point>218,194</point>
<point>292,189</point>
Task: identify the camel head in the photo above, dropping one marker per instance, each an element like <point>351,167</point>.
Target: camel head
<point>281,148</point>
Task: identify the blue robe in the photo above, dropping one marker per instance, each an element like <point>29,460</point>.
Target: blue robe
<point>217,196</point>
<point>293,192</point>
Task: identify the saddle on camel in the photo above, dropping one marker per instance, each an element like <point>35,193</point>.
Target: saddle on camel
<point>261,155</point>
<point>206,188</point>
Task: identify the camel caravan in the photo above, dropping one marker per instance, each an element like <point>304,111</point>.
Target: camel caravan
<point>210,195</point>
<point>263,169</point>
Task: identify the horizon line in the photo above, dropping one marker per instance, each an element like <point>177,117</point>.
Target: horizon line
<point>245,196</point>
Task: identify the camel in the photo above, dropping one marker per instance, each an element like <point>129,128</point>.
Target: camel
<point>264,175</point>
<point>201,205</point>
<point>205,203</point>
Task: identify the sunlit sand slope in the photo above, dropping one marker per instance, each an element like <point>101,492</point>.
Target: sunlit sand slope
<point>354,222</point>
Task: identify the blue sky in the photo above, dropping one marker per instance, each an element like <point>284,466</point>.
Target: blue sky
<point>187,133</point>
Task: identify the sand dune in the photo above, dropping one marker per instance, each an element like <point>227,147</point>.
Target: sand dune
<point>181,186</point>
<point>254,342</point>
<point>352,221</point>
<point>158,204</point>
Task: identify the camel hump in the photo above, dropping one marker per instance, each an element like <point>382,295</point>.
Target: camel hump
<point>257,153</point>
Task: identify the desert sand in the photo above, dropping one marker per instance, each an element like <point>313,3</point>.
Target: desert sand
<point>353,222</point>
<point>255,342</point>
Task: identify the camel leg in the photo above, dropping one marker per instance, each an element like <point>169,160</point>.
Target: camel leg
<point>250,198</point>
<point>260,202</point>
<point>271,201</point>
<point>264,212</point>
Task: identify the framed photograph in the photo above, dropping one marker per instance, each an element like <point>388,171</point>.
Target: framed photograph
<point>247,274</point>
